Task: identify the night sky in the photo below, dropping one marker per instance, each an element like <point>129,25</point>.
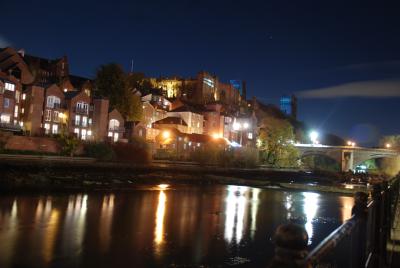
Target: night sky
<point>342,60</point>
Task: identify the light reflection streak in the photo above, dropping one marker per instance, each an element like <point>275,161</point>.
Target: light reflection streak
<point>51,235</point>
<point>347,204</point>
<point>310,208</point>
<point>159,228</point>
<point>74,228</point>
<point>235,212</point>
<point>254,209</point>
<point>9,233</point>
<point>107,210</point>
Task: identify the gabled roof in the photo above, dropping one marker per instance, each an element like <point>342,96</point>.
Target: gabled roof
<point>171,120</point>
<point>78,81</point>
<point>71,94</point>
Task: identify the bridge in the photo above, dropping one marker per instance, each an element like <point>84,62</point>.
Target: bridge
<point>347,156</point>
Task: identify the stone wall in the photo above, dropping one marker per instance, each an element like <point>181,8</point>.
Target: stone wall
<point>36,144</point>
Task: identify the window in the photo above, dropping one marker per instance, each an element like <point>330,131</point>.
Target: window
<point>22,110</point>
<point>56,116</point>
<point>113,124</point>
<point>47,128</point>
<point>83,134</point>
<point>9,86</point>
<point>87,91</point>
<point>47,115</point>
<point>116,137</point>
<point>53,102</point>
<point>250,136</point>
<point>6,103</point>
<point>84,121</point>
<point>17,96</point>
<point>89,133</point>
<point>90,121</point>
<point>16,111</point>
<point>110,134</point>
<point>76,131</point>
<point>24,96</point>
<point>77,120</point>
<point>82,107</point>
<point>5,118</point>
<point>54,129</point>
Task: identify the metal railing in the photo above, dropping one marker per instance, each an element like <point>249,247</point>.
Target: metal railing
<point>361,241</point>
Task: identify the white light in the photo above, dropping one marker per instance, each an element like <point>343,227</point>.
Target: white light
<point>314,136</point>
<point>236,126</point>
<point>246,125</point>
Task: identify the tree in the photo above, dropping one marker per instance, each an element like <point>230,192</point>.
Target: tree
<point>276,143</point>
<point>390,166</point>
<point>112,82</point>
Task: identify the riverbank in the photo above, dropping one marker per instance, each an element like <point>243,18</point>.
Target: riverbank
<point>73,174</point>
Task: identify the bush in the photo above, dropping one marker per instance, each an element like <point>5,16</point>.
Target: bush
<point>210,154</point>
<point>136,152</point>
<point>100,150</point>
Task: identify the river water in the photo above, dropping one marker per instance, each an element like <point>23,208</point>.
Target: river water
<point>159,226</point>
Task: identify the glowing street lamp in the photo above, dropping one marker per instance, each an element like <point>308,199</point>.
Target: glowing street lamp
<point>388,145</point>
<point>314,137</point>
<point>166,134</point>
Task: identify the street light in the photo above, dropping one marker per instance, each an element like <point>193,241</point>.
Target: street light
<point>388,145</point>
<point>314,136</point>
<point>166,134</point>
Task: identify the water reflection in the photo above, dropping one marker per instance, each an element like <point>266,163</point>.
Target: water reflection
<point>189,226</point>
<point>236,212</point>
<point>74,227</point>
<point>159,224</point>
<point>347,204</point>
<point>106,216</point>
<point>310,208</point>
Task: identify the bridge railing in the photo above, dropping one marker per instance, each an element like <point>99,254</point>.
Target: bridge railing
<point>361,241</point>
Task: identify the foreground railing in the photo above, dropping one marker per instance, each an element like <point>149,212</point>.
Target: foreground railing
<point>361,241</point>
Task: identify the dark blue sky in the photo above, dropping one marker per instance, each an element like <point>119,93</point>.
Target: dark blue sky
<point>278,47</point>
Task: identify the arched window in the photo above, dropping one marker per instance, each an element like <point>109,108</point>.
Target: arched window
<point>113,124</point>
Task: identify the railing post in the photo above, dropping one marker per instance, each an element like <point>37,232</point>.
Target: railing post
<point>291,241</point>
<point>358,238</point>
<point>376,241</point>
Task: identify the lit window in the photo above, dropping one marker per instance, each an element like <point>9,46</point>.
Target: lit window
<point>89,133</point>
<point>22,110</point>
<point>21,123</point>
<point>84,121</point>
<point>116,137</point>
<point>17,96</point>
<point>54,129</point>
<point>198,144</point>
<point>9,86</point>
<point>5,118</point>
<point>16,111</point>
<point>113,124</point>
<point>110,134</point>
<point>82,107</point>
<point>47,115</point>
<point>6,102</point>
<point>77,120</point>
<point>24,96</point>
<point>90,121</point>
<point>47,128</point>
<point>87,91</point>
<point>250,136</point>
<point>53,102</point>
<point>56,116</point>
<point>76,131</point>
<point>83,134</point>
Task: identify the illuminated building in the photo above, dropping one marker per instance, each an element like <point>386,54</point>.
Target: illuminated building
<point>288,105</point>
